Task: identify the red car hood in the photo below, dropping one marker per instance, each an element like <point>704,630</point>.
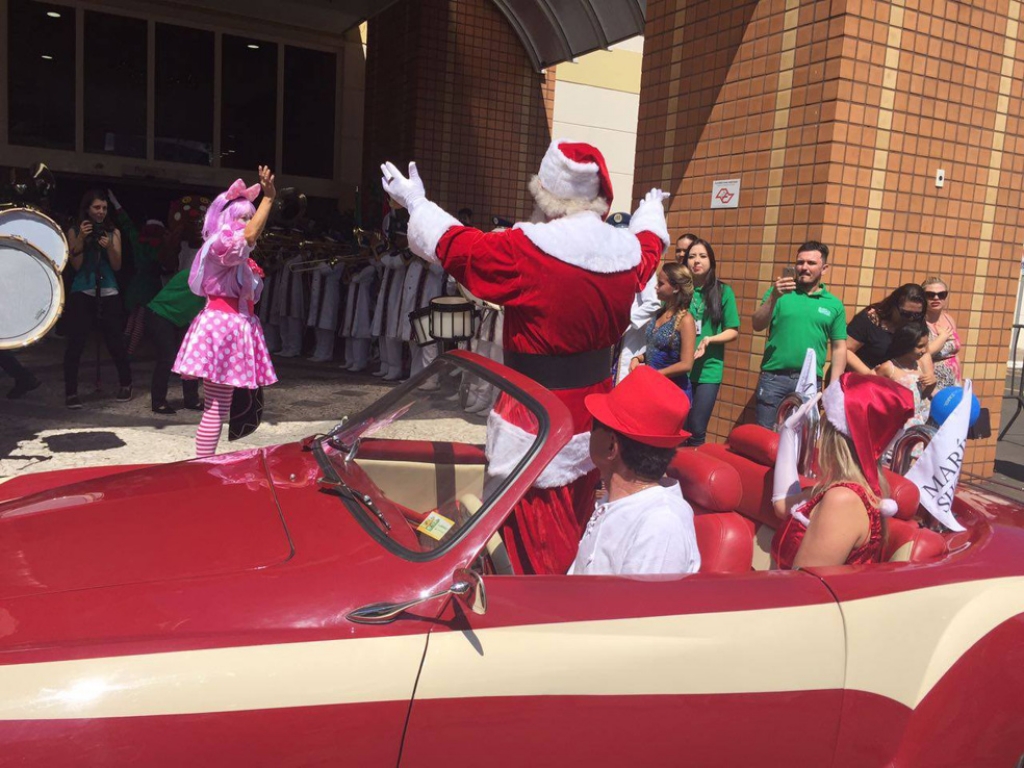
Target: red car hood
<point>160,523</point>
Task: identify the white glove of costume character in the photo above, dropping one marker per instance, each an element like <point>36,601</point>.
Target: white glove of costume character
<point>787,473</point>
<point>407,192</point>
<point>113,200</point>
<point>656,196</point>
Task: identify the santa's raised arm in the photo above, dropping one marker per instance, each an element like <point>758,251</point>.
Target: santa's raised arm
<point>567,285</point>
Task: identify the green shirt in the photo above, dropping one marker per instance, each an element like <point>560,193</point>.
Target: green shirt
<point>801,321</point>
<point>708,369</point>
<point>176,302</point>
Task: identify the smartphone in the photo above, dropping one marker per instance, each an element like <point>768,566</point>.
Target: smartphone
<point>789,272</point>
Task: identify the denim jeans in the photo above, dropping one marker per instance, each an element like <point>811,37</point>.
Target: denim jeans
<point>703,403</point>
<point>772,389</point>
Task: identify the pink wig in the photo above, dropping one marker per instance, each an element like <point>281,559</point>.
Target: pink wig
<point>223,211</point>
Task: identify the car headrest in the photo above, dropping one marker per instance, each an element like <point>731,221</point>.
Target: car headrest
<point>754,442</point>
<point>906,495</point>
<point>706,482</point>
<point>908,543</point>
<point>725,541</point>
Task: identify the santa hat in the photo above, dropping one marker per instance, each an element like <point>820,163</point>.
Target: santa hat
<point>573,177</point>
<point>870,410</point>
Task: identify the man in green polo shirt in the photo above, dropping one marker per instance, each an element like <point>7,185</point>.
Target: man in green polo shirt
<point>800,314</point>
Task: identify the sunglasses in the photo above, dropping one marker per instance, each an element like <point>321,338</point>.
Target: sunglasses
<point>906,314</point>
<point>936,294</point>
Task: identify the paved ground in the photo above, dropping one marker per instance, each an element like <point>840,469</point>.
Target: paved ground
<point>37,433</point>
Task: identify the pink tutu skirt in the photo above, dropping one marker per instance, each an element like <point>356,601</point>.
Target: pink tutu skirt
<point>226,348</point>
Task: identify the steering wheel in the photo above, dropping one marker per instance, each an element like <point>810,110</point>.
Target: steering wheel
<point>495,549</point>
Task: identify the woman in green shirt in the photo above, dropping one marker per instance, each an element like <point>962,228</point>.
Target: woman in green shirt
<point>718,322</point>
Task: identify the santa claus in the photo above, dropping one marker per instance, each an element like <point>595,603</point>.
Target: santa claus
<point>567,284</point>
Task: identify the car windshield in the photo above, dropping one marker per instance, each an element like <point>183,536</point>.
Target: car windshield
<point>415,467</point>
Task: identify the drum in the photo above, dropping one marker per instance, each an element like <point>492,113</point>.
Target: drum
<point>451,318</point>
<point>419,319</point>
<point>39,229</point>
<point>34,294</point>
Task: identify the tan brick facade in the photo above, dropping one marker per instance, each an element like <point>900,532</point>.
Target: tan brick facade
<point>449,84</point>
<point>836,116</point>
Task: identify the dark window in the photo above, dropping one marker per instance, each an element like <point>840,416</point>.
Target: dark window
<point>309,82</point>
<point>41,74</point>
<point>184,95</point>
<point>115,84</point>
<point>248,102</point>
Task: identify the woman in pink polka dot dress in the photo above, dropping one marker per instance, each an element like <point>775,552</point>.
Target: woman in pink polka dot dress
<point>224,345</point>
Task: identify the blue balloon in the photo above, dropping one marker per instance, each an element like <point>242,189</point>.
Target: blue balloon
<point>945,401</point>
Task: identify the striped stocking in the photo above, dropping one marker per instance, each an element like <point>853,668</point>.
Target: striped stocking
<point>218,410</point>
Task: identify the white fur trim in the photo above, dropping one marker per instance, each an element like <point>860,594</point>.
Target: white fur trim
<point>567,179</point>
<point>585,241</point>
<point>427,225</point>
<point>889,507</point>
<point>156,223</point>
<point>797,512</point>
<point>650,217</point>
<point>555,207</point>
<point>834,401</point>
<point>507,444</point>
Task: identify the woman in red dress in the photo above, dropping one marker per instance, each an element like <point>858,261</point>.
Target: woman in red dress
<point>841,519</point>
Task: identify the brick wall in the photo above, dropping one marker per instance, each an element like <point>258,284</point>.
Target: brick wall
<point>450,86</point>
<point>835,116</point>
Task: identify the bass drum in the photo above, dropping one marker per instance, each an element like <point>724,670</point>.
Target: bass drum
<point>39,229</point>
<point>31,293</point>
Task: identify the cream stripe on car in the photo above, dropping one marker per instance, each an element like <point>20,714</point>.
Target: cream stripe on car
<point>900,646</point>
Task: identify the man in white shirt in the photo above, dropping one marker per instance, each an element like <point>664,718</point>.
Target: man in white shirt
<point>644,525</point>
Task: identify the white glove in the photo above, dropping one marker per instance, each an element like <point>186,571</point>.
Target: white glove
<point>656,196</point>
<point>787,473</point>
<point>113,199</point>
<point>407,192</point>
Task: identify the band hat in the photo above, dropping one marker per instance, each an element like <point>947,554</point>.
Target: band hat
<point>870,410</point>
<point>573,170</point>
<point>646,406</point>
<point>620,220</point>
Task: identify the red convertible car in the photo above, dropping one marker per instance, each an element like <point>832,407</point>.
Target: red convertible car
<point>344,600</point>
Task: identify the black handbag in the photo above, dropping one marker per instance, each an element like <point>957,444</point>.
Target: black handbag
<point>246,412</point>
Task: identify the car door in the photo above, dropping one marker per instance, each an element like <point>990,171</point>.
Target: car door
<point>703,669</point>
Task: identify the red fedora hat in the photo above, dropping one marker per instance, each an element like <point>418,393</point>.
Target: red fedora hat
<point>646,407</point>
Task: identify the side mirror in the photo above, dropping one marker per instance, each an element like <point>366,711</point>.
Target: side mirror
<point>467,586</point>
<point>469,589</point>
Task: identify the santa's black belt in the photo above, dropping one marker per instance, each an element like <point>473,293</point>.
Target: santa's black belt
<point>583,369</point>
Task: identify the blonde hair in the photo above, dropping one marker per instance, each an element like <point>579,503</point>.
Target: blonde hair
<point>680,277</point>
<point>935,281</point>
<point>837,463</point>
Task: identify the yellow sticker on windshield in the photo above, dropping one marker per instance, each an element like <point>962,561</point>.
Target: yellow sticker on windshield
<point>435,526</point>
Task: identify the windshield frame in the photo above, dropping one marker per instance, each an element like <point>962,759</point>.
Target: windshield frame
<point>525,391</point>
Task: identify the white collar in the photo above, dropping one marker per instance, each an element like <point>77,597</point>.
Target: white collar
<point>585,241</point>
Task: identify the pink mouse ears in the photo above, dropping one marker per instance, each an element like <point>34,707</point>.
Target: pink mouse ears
<point>238,189</point>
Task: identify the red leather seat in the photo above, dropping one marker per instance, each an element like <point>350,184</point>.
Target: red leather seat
<point>725,541</point>
<point>709,484</point>
<point>712,487</point>
<point>908,543</point>
<point>750,450</point>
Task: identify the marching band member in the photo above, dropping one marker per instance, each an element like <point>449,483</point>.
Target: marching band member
<point>567,285</point>
<point>423,282</point>
<point>385,316</point>
<point>224,345</point>
<point>323,309</point>
<point>358,318</point>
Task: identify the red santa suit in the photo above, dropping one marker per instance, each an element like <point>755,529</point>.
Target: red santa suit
<point>567,287</point>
